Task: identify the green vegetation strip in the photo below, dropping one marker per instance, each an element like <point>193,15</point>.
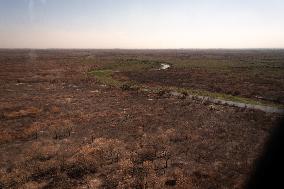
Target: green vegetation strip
<point>105,76</point>
<point>105,73</point>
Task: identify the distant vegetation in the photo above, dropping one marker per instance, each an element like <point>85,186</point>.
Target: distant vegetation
<point>255,77</point>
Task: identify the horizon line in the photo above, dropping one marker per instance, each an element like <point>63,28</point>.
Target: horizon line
<point>27,48</point>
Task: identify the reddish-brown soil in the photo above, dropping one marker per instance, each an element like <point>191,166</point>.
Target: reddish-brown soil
<point>60,128</point>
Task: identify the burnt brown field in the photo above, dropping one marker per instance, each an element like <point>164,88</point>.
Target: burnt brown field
<point>86,119</point>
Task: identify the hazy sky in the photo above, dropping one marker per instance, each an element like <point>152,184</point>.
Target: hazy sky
<point>141,23</point>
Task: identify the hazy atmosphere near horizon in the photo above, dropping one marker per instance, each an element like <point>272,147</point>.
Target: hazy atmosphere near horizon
<point>141,24</point>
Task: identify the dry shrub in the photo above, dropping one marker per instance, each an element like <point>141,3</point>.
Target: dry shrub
<point>83,116</point>
<point>126,164</point>
<point>31,111</point>
<point>55,109</point>
<point>28,131</point>
<point>38,167</point>
<point>13,178</point>
<point>7,136</point>
<point>61,129</point>
<point>33,130</point>
<point>111,157</point>
<point>33,185</point>
<point>103,151</point>
<point>43,150</point>
<point>94,183</point>
<point>171,177</point>
<point>151,177</point>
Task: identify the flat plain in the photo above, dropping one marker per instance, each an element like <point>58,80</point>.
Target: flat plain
<point>116,119</point>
